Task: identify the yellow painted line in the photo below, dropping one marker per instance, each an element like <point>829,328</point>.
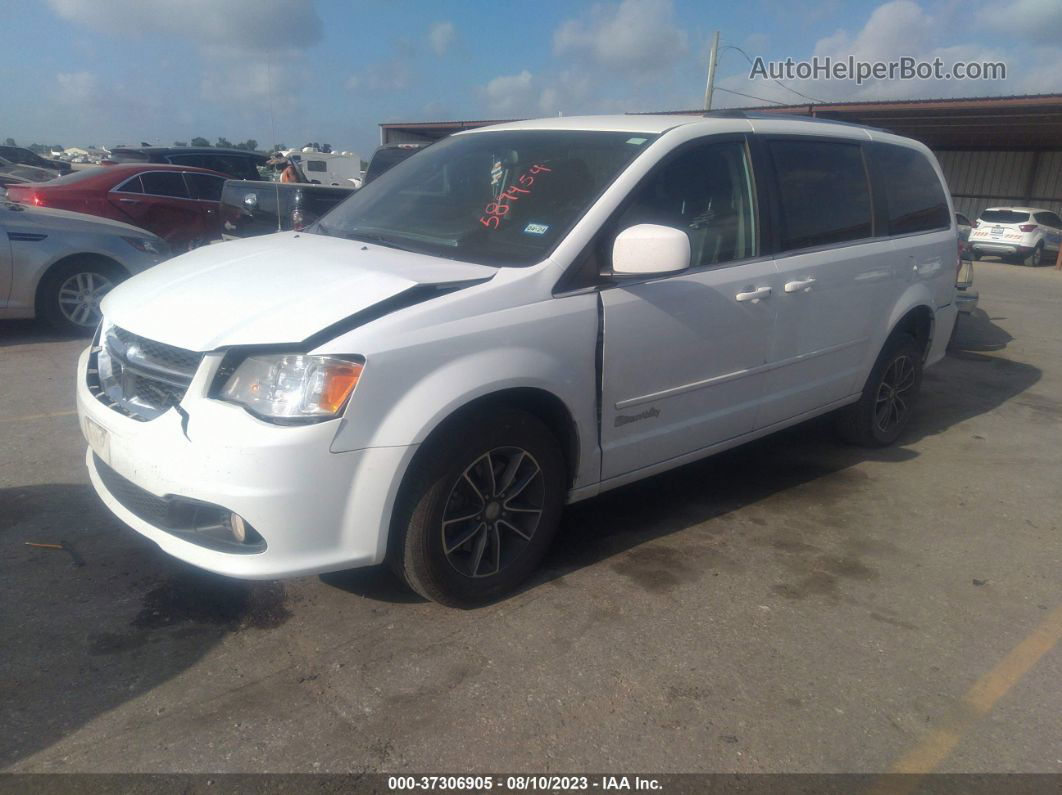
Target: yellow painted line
<point>978,701</point>
<point>29,417</point>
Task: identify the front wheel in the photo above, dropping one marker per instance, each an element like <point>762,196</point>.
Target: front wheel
<point>70,295</point>
<point>883,411</point>
<point>479,508</point>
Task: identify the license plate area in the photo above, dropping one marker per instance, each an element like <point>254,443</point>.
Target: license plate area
<point>98,438</point>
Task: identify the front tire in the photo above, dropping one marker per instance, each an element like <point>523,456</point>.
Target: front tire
<point>478,508</point>
<point>70,294</point>
<point>883,411</point>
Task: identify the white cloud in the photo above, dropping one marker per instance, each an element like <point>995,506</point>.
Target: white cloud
<point>510,95</point>
<point>639,37</point>
<point>901,28</point>
<point>258,24</point>
<point>440,36</point>
<point>1037,20</point>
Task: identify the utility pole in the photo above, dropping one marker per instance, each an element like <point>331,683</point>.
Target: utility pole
<point>713,55</point>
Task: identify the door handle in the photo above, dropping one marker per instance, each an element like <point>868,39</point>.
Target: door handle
<point>129,201</point>
<point>754,295</point>
<point>798,285</point>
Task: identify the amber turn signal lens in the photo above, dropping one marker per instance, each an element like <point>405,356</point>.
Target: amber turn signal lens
<point>340,378</point>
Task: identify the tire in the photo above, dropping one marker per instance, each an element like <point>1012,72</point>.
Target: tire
<point>455,543</point>
<point>1036,258</point>
<point>883,411</point>
<point>70,294</point>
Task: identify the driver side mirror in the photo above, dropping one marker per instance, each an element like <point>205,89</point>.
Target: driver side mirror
<point>650,250</point>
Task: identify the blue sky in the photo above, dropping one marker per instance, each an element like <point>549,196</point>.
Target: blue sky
<point>81,72</point>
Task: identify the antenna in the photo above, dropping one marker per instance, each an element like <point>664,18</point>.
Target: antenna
<point>272,130</point>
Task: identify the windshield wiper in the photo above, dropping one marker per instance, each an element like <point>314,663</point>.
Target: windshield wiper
<point>366,237</point>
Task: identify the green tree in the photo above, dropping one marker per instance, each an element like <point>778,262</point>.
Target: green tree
<point>10,142</point>
<point>180,143</point>
<point>278,147</point>
<point>249,145</point>
<point>223,143</point>
<point>200,141</point>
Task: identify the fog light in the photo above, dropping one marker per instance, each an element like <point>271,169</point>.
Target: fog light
<point>238,528</point>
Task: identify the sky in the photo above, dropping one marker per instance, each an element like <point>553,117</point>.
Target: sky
<point>104,72</point>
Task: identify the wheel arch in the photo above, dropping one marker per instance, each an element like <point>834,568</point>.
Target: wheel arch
<point>87,256</point>
<point>536,401</point>
<point>913,314</point>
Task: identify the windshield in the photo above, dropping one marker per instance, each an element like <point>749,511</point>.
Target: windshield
<point>497,198</point>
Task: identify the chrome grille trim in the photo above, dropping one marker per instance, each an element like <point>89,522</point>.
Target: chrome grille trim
<point>147,378</point>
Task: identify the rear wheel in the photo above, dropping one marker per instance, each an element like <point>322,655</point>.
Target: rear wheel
<point>1036,258</point>
<point>479,508</point>
<point>70,294</point>
<point>884,409</point>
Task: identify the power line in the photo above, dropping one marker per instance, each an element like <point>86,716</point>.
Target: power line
<point>776,80</point>
<point>750,96</point>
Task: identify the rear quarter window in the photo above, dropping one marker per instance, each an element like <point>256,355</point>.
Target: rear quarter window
<point>914,196</point>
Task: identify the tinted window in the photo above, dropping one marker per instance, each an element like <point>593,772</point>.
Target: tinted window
<point>316,165</point>
<point>707,193</point>
<point>913,193</point>
<point>1047,219</point>
<point>198,161</point>
<point>1004,217</point>
<point>385,158</point>
<point>823,192</point>
<point>131,186</point>
<point>164,183</point>
<point>205,187</point>
<point>233,165</point>
<point>962,219</point>
<point>1054,220</point>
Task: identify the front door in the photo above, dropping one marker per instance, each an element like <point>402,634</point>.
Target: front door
<point>684,356</point>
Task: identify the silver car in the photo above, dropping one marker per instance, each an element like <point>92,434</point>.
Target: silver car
<point>58,265</point>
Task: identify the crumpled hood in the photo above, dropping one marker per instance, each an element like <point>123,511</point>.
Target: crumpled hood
<point>275,289</point>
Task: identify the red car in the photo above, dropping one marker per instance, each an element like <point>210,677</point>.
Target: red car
<point>177,203</point>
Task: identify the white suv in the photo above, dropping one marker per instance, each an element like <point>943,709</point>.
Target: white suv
<point>515,318</point>
<point>1029,234</point>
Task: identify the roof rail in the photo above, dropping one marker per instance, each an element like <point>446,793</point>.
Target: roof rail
<point>751,114</point>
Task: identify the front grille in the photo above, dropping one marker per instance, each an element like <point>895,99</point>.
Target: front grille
<point>139,377</point>
<point>169,356</point>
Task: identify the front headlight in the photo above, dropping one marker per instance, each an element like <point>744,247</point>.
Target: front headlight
<point>293,387</point>
<point>147,246</point>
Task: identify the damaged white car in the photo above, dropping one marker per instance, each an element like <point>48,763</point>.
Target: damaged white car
<point>515,318</point>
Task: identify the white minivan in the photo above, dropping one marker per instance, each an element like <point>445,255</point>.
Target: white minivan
<point>518,317</point>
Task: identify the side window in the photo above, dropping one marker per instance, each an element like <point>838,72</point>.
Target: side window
<point>1054,220</point>
<point>823,192</point>
<point>913,193</point>
<point>196,161</point>
<point>962,219</point>
<point>234,166</point>
<point>205,187</point>
<point>707,193</point>
<point>164,183</point>
<point>131,185</point>
<point>316,165</point>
